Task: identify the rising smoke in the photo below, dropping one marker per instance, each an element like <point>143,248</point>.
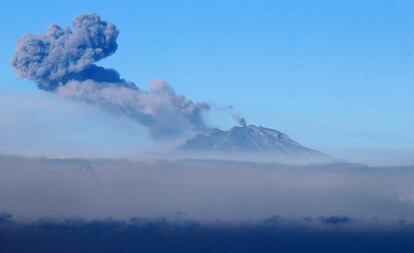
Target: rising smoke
<point>62,60</point>
<point>239,119</point>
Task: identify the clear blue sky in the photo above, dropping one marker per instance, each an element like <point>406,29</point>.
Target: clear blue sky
<point>334,75</point>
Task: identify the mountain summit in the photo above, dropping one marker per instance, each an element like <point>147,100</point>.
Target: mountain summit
<point>251,139</point>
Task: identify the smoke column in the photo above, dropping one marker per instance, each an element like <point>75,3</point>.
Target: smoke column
<point>62,60</point>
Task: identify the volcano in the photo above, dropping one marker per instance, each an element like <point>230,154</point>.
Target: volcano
<point>247,139</point>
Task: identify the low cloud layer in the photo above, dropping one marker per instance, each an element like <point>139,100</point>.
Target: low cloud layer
<point>159,205</point>
<point>203,189</point>
<point>62,60</point>
<point>163,205</point>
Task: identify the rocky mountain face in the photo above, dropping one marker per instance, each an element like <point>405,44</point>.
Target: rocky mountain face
<point>249,139</point>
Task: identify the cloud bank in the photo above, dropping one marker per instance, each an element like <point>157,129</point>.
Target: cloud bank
<point>159,205</point>
<point>202,189</point>
<point>62,60</point>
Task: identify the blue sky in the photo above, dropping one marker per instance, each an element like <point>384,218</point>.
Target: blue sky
<point>334,75</point>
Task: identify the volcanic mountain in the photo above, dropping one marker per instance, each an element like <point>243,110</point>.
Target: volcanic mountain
<point>247,139</point>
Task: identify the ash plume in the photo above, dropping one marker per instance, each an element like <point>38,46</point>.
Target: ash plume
<point>238,118</point>
<point>60,54</point>
<point>62,60</point>
<point>235,115</point>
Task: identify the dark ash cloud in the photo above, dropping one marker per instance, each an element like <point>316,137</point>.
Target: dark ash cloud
<point>60,54</point>
<point>62,60</point>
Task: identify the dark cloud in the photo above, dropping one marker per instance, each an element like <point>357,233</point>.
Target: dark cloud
<point>4,217</point>
<point>335,220</point>
<point>62,60</point>
<point>60,54</point>
<point>166,235</point>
